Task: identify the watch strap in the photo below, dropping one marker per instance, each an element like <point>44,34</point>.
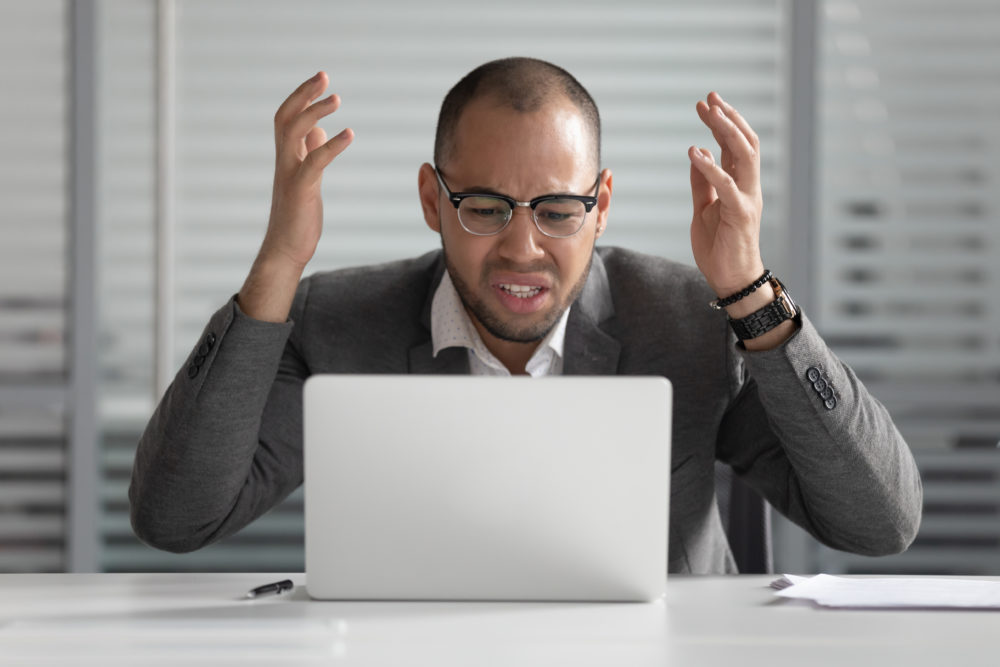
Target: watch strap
<point>761,321</point>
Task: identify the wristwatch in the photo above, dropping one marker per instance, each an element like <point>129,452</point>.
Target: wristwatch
<point>761,321</point>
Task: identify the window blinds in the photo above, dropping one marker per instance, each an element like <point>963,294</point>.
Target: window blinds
<point>645,62</point>
<point>33,291</point>
<point>909,169</point>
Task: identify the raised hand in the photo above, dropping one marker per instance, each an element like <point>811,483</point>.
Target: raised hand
<point>302,152</point>
<point>725,229</point>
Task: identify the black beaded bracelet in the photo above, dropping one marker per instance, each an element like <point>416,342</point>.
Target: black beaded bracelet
<point>719,304</point>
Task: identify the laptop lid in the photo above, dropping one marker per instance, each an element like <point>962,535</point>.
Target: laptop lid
<point>486,488</point>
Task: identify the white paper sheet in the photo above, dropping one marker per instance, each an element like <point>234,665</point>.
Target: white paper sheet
<point>892,593</point>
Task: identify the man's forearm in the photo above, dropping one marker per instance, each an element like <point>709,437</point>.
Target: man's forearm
<point>269,289</point>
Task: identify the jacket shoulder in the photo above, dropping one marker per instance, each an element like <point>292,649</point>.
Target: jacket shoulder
<point>367,306</point>
<point>648,281</point>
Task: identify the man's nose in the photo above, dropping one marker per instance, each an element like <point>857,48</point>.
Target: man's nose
<point>520,240</point>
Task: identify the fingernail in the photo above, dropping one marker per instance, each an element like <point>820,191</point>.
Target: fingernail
<point>315,77</point>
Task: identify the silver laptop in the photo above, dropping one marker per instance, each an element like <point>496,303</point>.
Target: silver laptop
<point>485,488</point>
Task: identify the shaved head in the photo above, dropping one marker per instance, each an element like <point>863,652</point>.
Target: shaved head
<point>522,84</point>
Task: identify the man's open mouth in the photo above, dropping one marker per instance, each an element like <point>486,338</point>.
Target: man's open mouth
<point>520,291</point>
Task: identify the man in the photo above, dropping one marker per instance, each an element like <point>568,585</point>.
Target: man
<point>519,200</point>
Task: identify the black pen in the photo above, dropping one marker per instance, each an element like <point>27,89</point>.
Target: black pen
<point>277,588</point>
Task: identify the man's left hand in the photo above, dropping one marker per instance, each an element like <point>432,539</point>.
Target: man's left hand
<point>725,229</point>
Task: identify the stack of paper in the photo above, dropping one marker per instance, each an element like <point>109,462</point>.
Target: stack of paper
<point>891,593</point>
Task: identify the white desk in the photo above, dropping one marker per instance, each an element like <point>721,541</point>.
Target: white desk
<point>189,620</point>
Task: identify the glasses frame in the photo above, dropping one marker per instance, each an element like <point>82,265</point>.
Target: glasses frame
<point>456,200</point>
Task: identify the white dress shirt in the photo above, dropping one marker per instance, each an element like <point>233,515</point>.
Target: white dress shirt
<point>452,327</point>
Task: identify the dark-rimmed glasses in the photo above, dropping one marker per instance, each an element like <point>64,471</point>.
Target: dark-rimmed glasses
<point>485,214</point>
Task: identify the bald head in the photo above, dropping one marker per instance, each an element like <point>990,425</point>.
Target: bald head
<point>522,84</point>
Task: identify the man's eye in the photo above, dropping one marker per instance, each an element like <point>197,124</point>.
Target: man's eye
<point>554,216</point>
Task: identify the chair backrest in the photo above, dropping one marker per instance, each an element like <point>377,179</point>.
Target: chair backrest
<point>746,518</point>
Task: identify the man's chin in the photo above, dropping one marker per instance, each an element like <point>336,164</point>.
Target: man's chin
<point>512,331</point>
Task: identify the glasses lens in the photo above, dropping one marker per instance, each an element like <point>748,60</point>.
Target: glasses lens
<point>483,215</point>
<point>560,217</point>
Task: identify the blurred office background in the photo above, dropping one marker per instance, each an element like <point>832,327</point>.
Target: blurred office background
<point>135,168</point>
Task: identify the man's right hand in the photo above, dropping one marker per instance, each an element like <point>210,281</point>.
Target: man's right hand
<point>302,152</point>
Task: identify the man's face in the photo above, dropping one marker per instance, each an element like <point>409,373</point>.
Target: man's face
<point>516,284</point>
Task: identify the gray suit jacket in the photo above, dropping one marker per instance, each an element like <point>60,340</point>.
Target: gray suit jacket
<point>225,443</point>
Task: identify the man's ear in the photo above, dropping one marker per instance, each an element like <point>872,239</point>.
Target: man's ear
<point>604,201</point>
<point>429,196</point>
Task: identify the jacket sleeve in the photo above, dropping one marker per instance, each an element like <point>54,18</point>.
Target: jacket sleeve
<point>224,444</point>
<point>805,433</point>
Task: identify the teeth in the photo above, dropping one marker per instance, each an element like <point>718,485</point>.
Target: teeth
<point>521,291</point>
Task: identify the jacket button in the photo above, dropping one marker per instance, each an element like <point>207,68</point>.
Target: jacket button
<point>813,374</point>
<point>210,340</point>
<point>830,403</point>
<point>826,394</point>
<point>198,361</point>
<point>192,371</point>
<point>204,349</point>
<point>819,385</point>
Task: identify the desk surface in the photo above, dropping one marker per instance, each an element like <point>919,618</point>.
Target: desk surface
<point>195,619</point>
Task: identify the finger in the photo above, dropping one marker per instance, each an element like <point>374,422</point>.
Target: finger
<point>702,192</point>
<point>299,100</point>
<point>315,139</point>
<point>292,147</point>
<point>705,114</point>
<point>720,180</point>
<point>737,118</point>
<point>318,159</point>
<point>741,159</point>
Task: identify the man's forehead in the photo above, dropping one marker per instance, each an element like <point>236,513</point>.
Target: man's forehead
<point>556,136</point>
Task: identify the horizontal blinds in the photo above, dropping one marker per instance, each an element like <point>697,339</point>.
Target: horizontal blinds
<point>33,293</point>
<point>908,210</point>
<point>908,224</point>
<point>645,62</point>
<point>33,185</point>
<point>125,204</point>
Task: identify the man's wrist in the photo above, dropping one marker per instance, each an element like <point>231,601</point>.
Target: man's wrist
<point>770,324</point>
<point>269,289</point>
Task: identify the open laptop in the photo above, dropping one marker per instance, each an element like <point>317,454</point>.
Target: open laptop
<point>486,488</point>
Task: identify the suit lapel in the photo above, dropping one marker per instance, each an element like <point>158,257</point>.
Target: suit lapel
<point>588,349</point>
<point>450,361</point>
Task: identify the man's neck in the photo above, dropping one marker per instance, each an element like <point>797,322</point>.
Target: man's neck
<point>514,356</point>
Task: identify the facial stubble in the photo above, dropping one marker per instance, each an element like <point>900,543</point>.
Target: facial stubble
<point>494,323</point>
